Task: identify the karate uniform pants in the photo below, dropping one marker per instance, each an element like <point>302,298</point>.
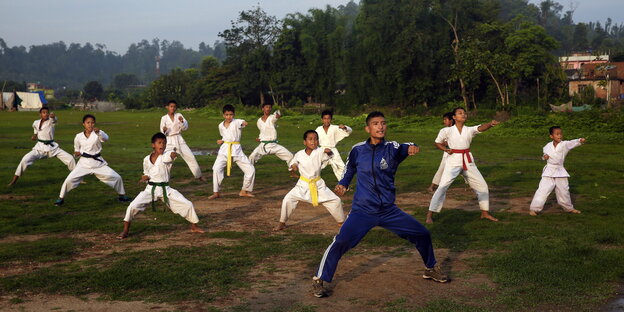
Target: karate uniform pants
<point>219,170</point>
<point>546,186</point>
<point>336,163</point>
<point>105,174</point>
<point>475,180</point>
<point>326,197</point>
<point>270,149</point>
<point>35,155</point>
<point>438,175</point>
<point>185,152</point>
<point>359,223</point>
<point>177,203</point>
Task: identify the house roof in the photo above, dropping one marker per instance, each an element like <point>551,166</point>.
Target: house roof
<point>615,70</point>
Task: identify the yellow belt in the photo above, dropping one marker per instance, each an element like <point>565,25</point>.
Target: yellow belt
<point>229,161</point>
<point>313,188</point>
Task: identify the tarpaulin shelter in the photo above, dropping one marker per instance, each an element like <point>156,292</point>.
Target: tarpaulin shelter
<point>31,100</point>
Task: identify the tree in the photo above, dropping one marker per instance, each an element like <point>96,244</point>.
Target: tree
<point>93,91</point>
<point>208,64</point>
<point>248,45</point>
<point>580,37</point>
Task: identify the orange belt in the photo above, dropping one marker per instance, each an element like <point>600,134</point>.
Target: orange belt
<point>464,152</point>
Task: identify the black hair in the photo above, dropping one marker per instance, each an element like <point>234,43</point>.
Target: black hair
<point>456,109</point>
<point>158,135</point>
<point>266,103</point>
<point>449,116</point>
<point>327,112</point>
<point>305,134</point>
<point>552,129</point>
<point>373,115</point>
<point>172,101</point>
<point>87,116</point>
<point>228,108</point>
<point>43,108</point>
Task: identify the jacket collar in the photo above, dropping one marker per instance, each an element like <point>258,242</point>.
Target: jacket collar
<point>369,144</point>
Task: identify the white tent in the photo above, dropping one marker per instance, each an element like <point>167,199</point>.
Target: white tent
<point>7,100</point>
<point>30,101</point>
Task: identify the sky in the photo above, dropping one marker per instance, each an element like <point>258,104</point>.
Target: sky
<point>118,23</point>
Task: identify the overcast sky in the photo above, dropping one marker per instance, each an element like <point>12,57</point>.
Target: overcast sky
<point>118,23</point>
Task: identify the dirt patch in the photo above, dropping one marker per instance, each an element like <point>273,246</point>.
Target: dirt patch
<point>63,303</point>
<point>365,281</point>
<point>15,197</point>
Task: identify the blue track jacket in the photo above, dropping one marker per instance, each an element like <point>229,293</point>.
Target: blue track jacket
<point>375,166</point>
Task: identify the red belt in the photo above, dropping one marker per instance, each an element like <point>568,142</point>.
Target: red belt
<point>464,152</point>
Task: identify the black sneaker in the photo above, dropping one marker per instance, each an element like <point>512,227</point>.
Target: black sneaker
<point>124,198</point>
<point>317,288</point>
<point>435,274</point>
<point>59,202</point>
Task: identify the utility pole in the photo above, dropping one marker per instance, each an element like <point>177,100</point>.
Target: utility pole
<point>157,65</point>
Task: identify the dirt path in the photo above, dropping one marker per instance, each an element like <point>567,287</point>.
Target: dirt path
<point>366,280</point>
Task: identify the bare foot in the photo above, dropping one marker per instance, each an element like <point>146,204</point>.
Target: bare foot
<point>196,229</point>
<point>122,235</point>
<point>246,194</point>
<point>201,179</point>
<point>429,219</point>
<point>533,213</point>
<point>487,215</point>
<point>574,211</point>
<point>280,227</point>
<point>13,181</point>
<point>214,195</point>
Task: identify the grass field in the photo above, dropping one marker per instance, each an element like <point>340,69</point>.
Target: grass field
<point>555,262</point>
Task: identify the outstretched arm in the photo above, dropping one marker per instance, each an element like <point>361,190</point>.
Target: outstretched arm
<point>101,134</point>
<point>487,126</point>
<point>575,143</point>
<point>406,149</point>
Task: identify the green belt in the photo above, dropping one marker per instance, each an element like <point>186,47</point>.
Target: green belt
<point>164,188</point>
<point>267,142</point>
<point>46,142</point>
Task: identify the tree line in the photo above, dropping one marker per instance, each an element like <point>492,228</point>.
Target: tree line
<point>408,54</point>
<point>58,65</point>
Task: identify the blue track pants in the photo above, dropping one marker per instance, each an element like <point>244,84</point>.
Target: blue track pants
<point>359,223</point>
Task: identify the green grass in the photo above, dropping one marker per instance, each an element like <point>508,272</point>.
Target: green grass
<point>554,260</point>
<point>43,250</point>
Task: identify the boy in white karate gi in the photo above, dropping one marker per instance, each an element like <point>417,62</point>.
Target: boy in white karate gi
<point>460,161</point>
<point>554,175</point>
<point>329,136</point>
<point>156,169</point>
<point>88,145</point>
<point>172,126</point>
<point>268,138</point>
<point>447,120</point>
<point>231,151</point>
<point>45,147</point>
<point>310,188</point>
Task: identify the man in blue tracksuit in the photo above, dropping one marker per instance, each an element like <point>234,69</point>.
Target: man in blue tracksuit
<point>375,161</point>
